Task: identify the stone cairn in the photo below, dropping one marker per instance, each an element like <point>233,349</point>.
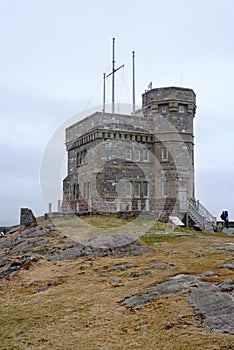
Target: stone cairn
<point>27,218</point>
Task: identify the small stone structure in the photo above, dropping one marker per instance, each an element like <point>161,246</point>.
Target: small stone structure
<point>27,218</point>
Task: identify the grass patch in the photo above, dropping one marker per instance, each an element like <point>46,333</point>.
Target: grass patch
<point>114,221</point>
<point>98,221</point>
<point>106,220</point>
<point>150,239</point>
<point>93,225</point>
<point>219,234</point>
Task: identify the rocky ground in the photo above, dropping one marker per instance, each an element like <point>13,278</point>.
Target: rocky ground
<point>166,290</point>
<point>21,247</point>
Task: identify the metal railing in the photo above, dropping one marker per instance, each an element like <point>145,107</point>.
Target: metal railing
<point>200,215</point>
<point>205,213</point>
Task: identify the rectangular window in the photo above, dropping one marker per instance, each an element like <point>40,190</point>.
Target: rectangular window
<point>78,159</point>
<point>85,189</point>
<point>149,111</point>
<point>88,189</point>
<point>165,188</point>
<point>74,191</point>
<point>137,154</point>
<point>181,108</point>
<point>145,155</point>
<point>137,189</point>
<point>128,189</point>
<point>81,157</point>
<point>145,189</point>
<point>164,109</point>
<point>183,185</point>
<point>77,191</point>
<point>164,154</point>
<point>128,153</point>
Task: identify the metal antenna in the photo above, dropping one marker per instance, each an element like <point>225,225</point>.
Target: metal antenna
<point>113,78</point>
<point>133,83</point>
<point>104,93</point>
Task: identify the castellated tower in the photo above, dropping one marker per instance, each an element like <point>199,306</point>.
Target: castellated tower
<point>137,163</point>
<point>171,111</point>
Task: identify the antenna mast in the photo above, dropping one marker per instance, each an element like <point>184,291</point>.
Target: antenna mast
<point>133,83</point>
<point>104,93</point>
<point>113,77</point>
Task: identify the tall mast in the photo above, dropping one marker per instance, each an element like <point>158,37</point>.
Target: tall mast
<point>104,93</point>
<point>133,84</point>
<point>113,76</point>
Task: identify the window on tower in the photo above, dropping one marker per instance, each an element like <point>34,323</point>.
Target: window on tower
<point>137,189</point>
<point>181,108</point>
<point>128,189</point>
<point>164,154</point>
<point>128,153</point>
<point>145,154</point>
<point>145,189</point>
<point>78,159</point>
<point>164,108</point>
<point>137,154</point>
<point>165,188</point>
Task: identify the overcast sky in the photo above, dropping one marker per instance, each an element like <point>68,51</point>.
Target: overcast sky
<point>54,54</point>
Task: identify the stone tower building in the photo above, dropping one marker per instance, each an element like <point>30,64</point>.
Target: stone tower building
<point>140,163</point>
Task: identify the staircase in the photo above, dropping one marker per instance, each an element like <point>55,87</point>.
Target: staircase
<point>201,216</point>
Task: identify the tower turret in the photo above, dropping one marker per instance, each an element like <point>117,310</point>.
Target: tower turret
<point>171,111</point>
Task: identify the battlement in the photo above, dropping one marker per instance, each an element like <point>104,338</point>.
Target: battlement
<point>169,100</point>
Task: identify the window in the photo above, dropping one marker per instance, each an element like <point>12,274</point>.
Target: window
<point>165,188</point>
<point>181,108</point>
<point>183,185</point>
<point>88,190</point>
<point>137,154</point>
<point>84,160</point>
<point>164,109</point>
<point>128,189</point>
<point>149,110</point>
<point>137,189</point>
<point>145,189</point>
<point>145,155</point>
<point>85,189</point>
<point>80,157</point>
<point>76,191</point>
<point>128,153</point>
<point>164,154</point>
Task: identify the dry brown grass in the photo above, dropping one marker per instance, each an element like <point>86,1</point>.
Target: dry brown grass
<point>83,311</point>
<point>90,226</point>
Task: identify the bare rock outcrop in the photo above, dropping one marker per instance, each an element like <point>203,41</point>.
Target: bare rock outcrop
<point>21,246</point>
<point>209,299</point>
